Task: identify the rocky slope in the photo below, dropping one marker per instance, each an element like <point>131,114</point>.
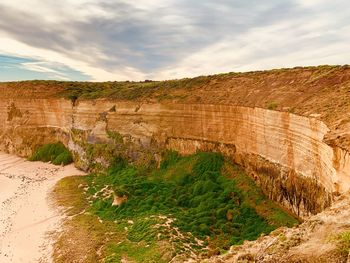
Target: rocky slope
<point>290,129</point>
<point>322,238</point>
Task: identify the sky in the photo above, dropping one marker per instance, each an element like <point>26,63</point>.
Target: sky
<point>109,40</point>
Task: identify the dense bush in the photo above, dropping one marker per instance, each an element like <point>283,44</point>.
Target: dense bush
<point>56,153</point>
<point>202,200</point>
<point>170,158</point>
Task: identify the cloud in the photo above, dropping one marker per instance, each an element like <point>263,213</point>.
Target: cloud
<point>27,68</point>
<point>119,39</point>
<point>54,70</point>
<point>277,46</point>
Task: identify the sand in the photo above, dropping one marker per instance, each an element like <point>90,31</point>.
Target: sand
<point>27,214</point>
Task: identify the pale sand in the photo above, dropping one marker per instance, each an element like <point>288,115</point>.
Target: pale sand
<point>27,214</point>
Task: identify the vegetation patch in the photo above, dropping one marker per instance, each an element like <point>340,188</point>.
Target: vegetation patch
<point>96,156</point>
<point>88,238</point>
<point>122,90</point>
<point>342,241</point>
<point>272,105</point>
<point>193,205</point>
<point>56,153</point>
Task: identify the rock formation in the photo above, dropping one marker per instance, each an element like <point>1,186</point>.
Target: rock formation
<point>284,127</point>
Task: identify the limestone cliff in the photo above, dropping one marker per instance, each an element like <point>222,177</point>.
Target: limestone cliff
<point>298,152</point>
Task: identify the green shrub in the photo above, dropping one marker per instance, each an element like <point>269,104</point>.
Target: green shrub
<point>169,158</point>
<point>272,105</point>
<point>342,241</point>
<point>208,162</point>
<point>142,230</point>
<point>118,163</point>
<point>201,199</point>
<point>56,153</point>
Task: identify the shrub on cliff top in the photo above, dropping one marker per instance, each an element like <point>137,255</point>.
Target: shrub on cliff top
<point>56,153</point>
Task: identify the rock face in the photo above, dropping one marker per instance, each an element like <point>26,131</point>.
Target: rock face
<point>27,123</point>
<point>290,129</point>
<point>285,153</point>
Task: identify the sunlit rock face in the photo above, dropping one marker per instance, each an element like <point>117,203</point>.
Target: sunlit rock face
<point>285,153</point>
<point>27,123</point>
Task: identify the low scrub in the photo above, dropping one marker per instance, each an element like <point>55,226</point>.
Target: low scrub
<point>272,105</point>
<point>56,153</point>
<point>342,241</point>
<point>191,193</point>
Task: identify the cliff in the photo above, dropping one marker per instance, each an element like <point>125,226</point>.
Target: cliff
<point>290,129</point>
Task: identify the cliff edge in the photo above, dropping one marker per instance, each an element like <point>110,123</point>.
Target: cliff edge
<point>289,128</point>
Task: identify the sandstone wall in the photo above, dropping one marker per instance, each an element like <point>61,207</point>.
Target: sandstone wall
<point>284,152</point>
<point>27,123</point>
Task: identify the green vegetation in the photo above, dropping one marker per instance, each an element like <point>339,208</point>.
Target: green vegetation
<point>55,153</point>
<point>124,90</point>
<point>160,90</point>
<point>192,194</point>
<point>203,201</point>
<point>272,105</point>
<point>189,204</point>
<point>342,241</point>
<point>85,236</point>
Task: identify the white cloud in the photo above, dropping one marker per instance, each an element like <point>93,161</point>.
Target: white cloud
<point>289,44</point>
<point>15,48</point>
<point>120,40</point>
<point>57,11</point>
<point>44,67</point>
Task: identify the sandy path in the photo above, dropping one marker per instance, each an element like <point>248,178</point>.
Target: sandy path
<point>26,213</point>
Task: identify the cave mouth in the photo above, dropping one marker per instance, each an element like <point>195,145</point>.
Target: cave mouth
<point>198,204</point>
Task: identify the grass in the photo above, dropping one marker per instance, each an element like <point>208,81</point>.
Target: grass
<point>123,90</point>
<point>342,241</point>
<point>85,238</point>
<point>272,105</point>
<point>187,205</point>
<point>56,153</point>
<point>160,90</point>
<point>140,253</point>
<point>254,196</point>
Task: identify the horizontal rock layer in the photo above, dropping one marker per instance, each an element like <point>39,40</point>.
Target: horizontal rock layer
<point>284,152</point>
